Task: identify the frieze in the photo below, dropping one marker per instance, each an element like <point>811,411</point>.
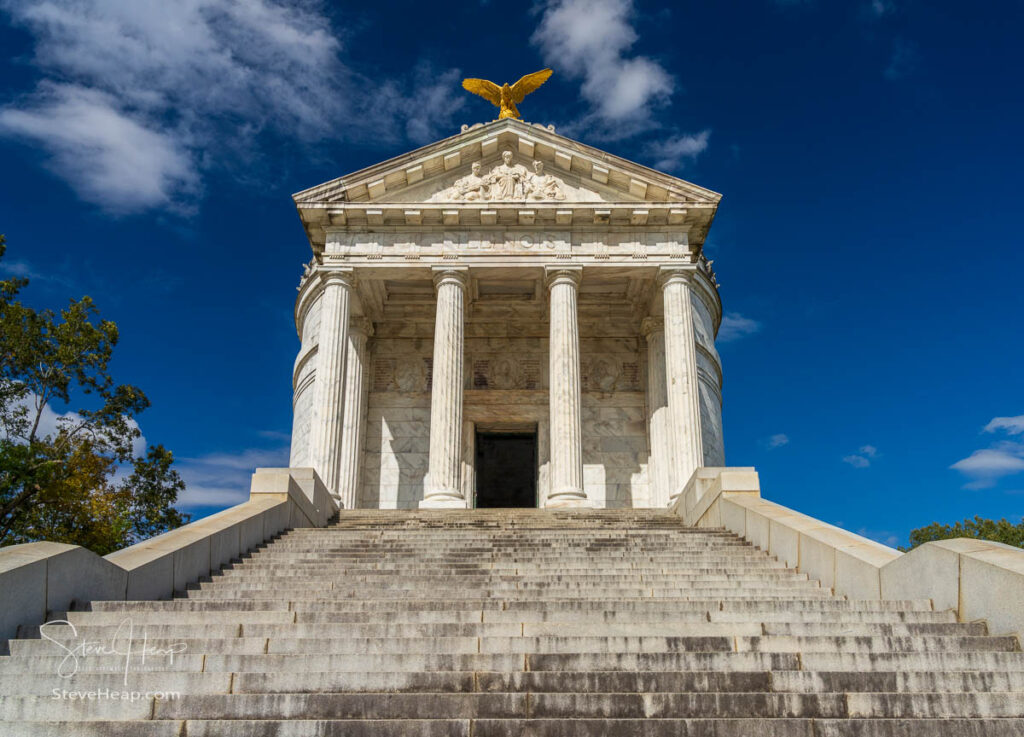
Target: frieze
<point>504,182</point>
<point>377,246</point>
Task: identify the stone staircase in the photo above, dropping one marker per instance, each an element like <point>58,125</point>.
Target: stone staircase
<point>513,622</point>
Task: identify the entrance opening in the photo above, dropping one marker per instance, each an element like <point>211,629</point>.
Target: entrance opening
<point>506,469</point>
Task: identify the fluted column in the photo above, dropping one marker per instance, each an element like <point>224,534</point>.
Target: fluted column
<point>566,474</point>
<point>445,461</point>
<point>681,376</point>
<point>659,425</point>
<point>330,376</point>
<point>354,423</point>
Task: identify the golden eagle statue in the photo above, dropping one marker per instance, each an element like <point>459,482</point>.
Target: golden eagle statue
<point>506,97</point>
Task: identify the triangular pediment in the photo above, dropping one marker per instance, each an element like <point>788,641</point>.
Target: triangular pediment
<point>569,172</point>
<point>502,173</point>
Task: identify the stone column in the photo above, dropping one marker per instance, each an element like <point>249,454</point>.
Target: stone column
<point>445,461</point>
<point>566,444</point>
<point>659,423</point>
<point>330,376</point>
<point>681,376</point>
<point>354,423</point>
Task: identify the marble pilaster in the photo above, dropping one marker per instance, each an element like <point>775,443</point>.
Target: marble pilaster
<point>354,423</point>
<point>445,459</point>
<point>330,376</point>
<point>681,381</point>
<point>566,438</point>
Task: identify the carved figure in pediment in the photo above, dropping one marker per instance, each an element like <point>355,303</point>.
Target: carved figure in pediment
<point>472,187</point>
<point>544,186</point>
<point>507,180</point>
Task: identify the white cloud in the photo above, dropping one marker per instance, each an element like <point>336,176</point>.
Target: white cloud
<point>108,157</point>
<point>777,441</point>
<point>51,421</point>
<point>223,479</point>
<point>669,153</point>
<point>141,97</point>
<point>862,458</point>
<point>986,466</point>
<point>735,326</point>
<point>590,40</point>
<point>903,60</point>
<point>1012,425</point>
<point>882,536</point>
<point>881,8</point>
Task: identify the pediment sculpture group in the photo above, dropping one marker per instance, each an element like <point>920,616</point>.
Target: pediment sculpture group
<point>506,181</point>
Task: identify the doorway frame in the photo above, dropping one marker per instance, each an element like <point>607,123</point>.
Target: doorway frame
<point>511,428</point>
<point>518,427</point>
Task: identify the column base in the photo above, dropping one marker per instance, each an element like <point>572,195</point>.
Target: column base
<point>443,500</point>
<point>568,498</point>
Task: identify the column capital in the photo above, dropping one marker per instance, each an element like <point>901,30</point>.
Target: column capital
<point>563,275</point>
<point>450,275</point>
<point>676,274</point>
<point>652,324</point>
<point>360,325</point>
<point>343,276</point>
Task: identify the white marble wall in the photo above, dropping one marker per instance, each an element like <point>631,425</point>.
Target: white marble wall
<point>709,373</point>
<point>615,446</point>
<point>303,387</point>
<point>615,449</point>
<point>395,455</point>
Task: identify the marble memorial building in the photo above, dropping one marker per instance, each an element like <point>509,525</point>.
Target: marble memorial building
<point>507,317</point>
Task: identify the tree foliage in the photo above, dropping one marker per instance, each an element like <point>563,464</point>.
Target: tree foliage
<point>1001,531</point>
<point>75,479</point>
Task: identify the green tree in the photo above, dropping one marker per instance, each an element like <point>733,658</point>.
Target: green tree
<point>60,484</point>
<point>1001,531</point>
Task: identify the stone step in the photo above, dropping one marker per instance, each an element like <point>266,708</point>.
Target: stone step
<point>658,705</point>
<point>532,727</point>
<point>696,627</point>
<point>307,613</point>
<point>368,663</point>
<point>68,634</point>
<point>920,610</point>
<point>499,569</point>
<point>567,588</point>
<point>528,581</point>
<point>627,682</point>
<point>540,644</point>
<point>535,596</point>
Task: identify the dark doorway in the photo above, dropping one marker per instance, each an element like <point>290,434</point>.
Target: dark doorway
<point>506,470</point>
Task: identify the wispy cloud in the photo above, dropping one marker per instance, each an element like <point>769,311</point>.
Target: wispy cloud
<point>986,466</point>
<point>591,40</point>
<point>1010,425</point>
<point>885,537</point>
<point>776,441</point>
<point>51,421</point>
<point>903,60</point>
<point>880,8</point>
<point>672,152</point>
<point>223,479</point>
<point>140,98</point>
<point>862,458</point>
<point>735,326</point>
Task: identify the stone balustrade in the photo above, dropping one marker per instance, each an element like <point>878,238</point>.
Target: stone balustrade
<point>979,580</point>
<point>43,577</point>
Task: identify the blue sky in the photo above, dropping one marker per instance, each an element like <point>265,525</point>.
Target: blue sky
<point>868,241</point>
